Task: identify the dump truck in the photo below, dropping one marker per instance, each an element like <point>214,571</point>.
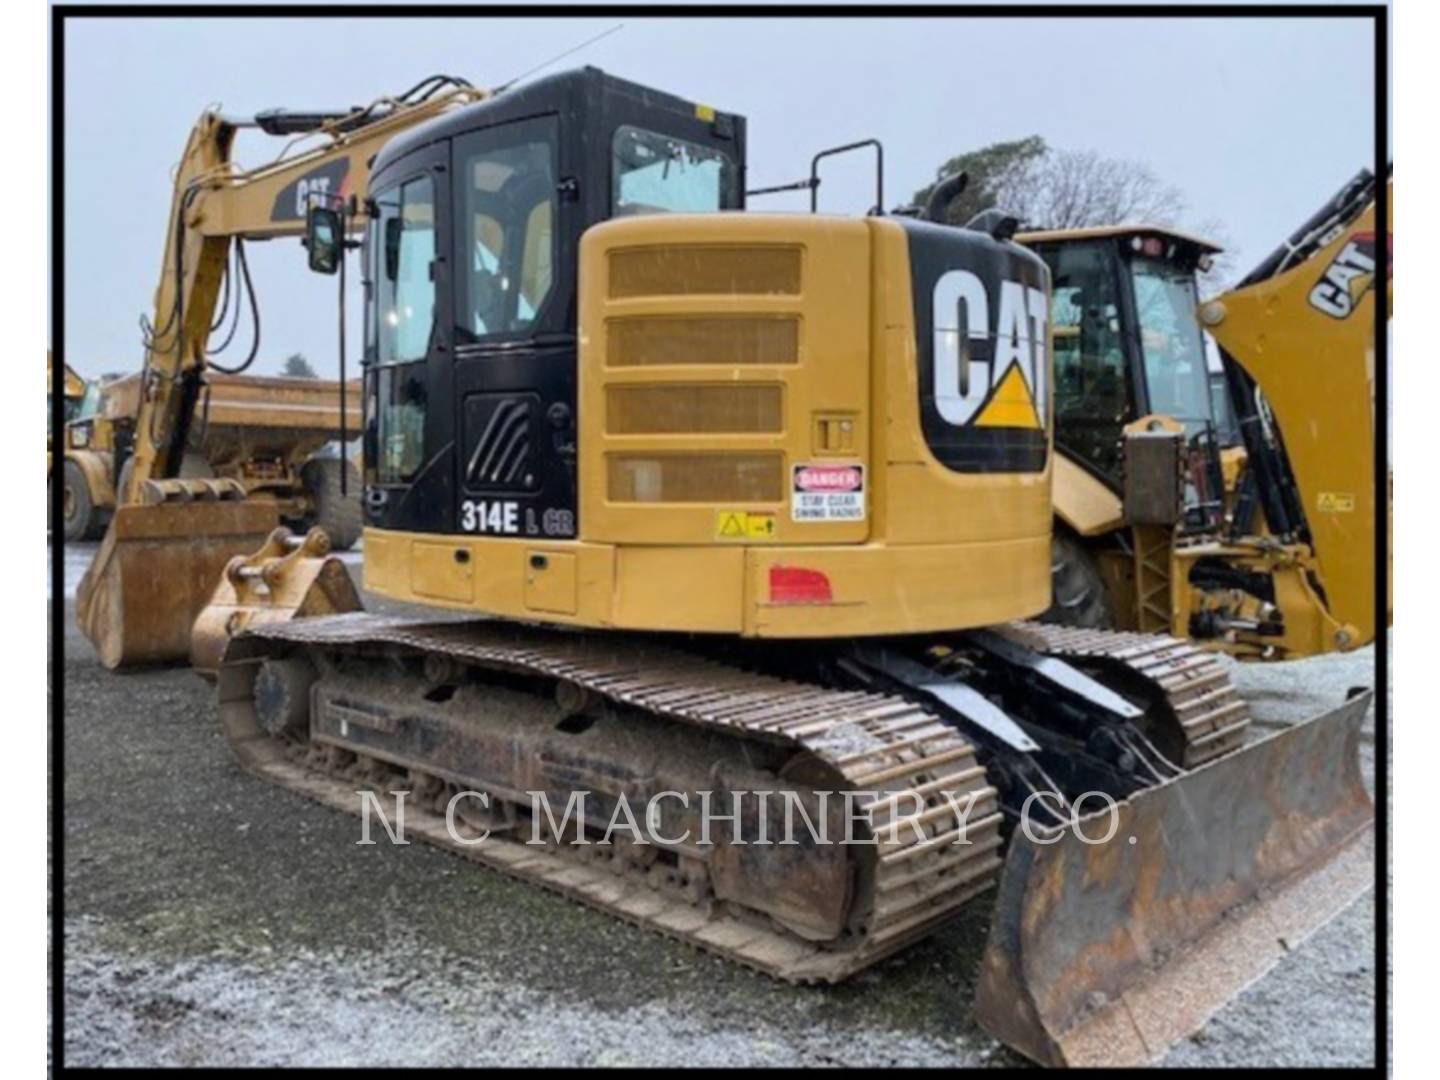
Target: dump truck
<point>707,505</point>
<point>1266,556</point>
<point>273,436</point>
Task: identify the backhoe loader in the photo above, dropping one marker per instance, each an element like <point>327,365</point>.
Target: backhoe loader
<point>738,512</point>
<point>1270,553</point>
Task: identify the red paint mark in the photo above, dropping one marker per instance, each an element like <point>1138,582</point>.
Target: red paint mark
<point>797,585</point>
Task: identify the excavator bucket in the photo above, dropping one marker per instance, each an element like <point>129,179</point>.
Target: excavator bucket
<point>1108,953</point>
<point>158,564</point>
<point>289,577</point>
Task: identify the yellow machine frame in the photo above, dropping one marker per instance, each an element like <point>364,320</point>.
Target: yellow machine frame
<point>936,550</point>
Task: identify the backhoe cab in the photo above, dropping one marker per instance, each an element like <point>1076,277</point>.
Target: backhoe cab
<point>1128,343</point>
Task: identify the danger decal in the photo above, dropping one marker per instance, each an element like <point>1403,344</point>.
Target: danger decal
<point>827,493</point>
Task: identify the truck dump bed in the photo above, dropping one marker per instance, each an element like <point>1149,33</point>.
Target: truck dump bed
<point>256,416</point>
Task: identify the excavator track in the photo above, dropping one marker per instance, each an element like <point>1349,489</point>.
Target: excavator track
<point>903,757</point>
<point>1202,712</point>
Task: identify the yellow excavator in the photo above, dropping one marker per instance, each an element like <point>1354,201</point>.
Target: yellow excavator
<point>1270,553</point>
<point>727,516</point>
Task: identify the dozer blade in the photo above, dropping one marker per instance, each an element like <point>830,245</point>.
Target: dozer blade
<point>156,568</point>
<point>1108,953</point>
<point>289,577</point>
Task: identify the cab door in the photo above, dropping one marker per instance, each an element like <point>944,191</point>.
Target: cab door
<point>514,360</point>
<point>407,441</point>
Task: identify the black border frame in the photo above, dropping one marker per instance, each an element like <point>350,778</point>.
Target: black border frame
<point>1377,14</point>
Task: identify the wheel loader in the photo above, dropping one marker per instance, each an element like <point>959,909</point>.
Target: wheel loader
<point>1270,552</point>
<point>724,509</point>
<point>72,390</point>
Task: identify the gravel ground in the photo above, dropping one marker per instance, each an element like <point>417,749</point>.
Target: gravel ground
<point>211,919</point>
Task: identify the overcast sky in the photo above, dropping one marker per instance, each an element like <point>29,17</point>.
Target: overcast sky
<point>1256,121</point>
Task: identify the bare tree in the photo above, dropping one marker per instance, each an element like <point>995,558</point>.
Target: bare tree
<point>1072,189</point>
<point>1059,189</point>
<point>1047,188</point>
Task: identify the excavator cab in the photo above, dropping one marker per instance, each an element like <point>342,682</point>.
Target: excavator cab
<point>484,317</point>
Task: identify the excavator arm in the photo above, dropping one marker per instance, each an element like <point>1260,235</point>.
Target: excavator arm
<point>1297,341</point>
<point>214,206</point>
<point>170,538</point>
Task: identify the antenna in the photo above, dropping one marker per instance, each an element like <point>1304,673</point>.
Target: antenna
<point>558,56</point>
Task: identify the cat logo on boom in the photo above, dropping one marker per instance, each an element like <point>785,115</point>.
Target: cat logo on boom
<point>1348,277</point>
<point>985,382</point>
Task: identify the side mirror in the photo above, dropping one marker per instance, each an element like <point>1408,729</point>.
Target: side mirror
<point>324,239</point>
<point>393,228</point>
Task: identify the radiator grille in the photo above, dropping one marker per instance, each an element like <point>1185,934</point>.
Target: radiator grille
<point>691,269</point>
<point>705,477</point>
<point>703,339</point>
<point>693,410</point>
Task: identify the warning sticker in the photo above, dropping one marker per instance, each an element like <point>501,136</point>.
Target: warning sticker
<point>1336,502</point>
<point>743,525</point>
<point>828,493</point>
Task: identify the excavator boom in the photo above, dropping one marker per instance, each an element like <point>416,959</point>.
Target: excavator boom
<point>170,538</point>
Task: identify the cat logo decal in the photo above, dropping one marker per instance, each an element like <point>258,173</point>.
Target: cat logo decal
<point>987,382</point>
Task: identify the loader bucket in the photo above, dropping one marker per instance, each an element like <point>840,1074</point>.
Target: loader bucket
<point>289,577</point>
<point>1107,954</point>
<point>154,571</point>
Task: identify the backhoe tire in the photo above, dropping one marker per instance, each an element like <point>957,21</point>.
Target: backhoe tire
<point>339,515</point>
<point>1078,594</point>
<point>83,520</point>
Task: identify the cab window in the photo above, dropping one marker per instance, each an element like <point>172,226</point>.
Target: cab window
<point>653,174</point>
<point>507,213</point>
<point>1176,375</point>
<point>402,257</point>
<point>405,252</point>
<point>1092,398</point>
